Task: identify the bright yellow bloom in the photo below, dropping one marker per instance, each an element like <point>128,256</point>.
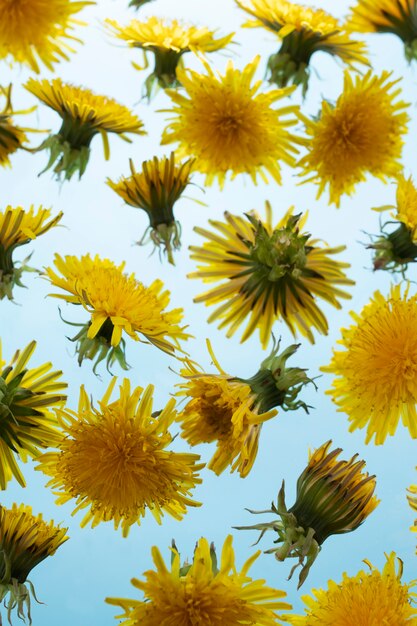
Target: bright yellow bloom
<point>230,128</point>
<point>25,541</point>
<point>118,303</point>
<point>376,372</point>
<point>155,190</point>
<point>17,228</point>
<point>302,31</point>
<point>168,41</point>
<point>361,134</point>
<point>201,593</point>
<point>412,501</point>
<point>231,410</point>
<point>28,398</point>
<point>38,31</point>
<point>371,598</point>
<point>84,114</point>
<point>333,497</point>
<point>395,250</point>
<point>12,137</point>
<point>388,16</point>
<point>114,460</point>
<point>268,273</point>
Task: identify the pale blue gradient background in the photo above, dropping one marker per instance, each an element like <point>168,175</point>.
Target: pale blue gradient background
<point>99,563</point>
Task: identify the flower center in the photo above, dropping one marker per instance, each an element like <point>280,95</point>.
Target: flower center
<point>228,125</point>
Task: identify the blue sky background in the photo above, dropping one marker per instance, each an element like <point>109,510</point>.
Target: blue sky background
<point>99,563</point>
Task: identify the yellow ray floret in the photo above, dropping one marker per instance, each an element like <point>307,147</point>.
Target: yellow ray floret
<point>228,127</point>
<point>168,41</point>
<point>371,598</point>
<point>38,31</point>
<point>156,189</point>
<point>361,134</point>
<point>12,137</point>
<point>202,592</point>
<point>28,423</point>
<point>17,228</point>
<point>302,31</point>
<point>25,541</point>
<point>113,460</point>
<point>398,17</point>
<point>333,497</point>
<point>376,371</point>
<point>267,273</point>
<point>117,303</point>
<point>84,114</point>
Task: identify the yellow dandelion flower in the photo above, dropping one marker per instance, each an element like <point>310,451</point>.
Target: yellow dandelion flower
<point>302,31</point>
<point>113,460</point>
<point>412,501</point>
<point>388,16</point>
<point>17,228</point>
<point>168,41</point>
<point>333,497</point>
<point>155,190</point>
<point>269,273</point>
<point>84,114</point>
<point>361,134</point>
<point>230,128</point>
<point>395,250</point>
<point>12,137</point>
<point>117,303</point>
<point>375,373</point>
<point>28,398</point>
<point>202,592</point>
<point>231,410</point>
<point>25,541</point>
<point>38,31</point>
<point>371,598</point>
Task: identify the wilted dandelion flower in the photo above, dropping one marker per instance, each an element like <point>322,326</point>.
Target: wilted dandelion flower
<point>114,460</point>
<point>230,128</point>
<point>168,41</point>
<point>28,424</point>
<point>12,137</point>
<point>202,592</point>
<point>117,303</point>
<point>17,228</point>
<point>84,114</point>
<point>155,190</point>
<point>38,31</point>
<point>371,598</point>
<point>268,273</point>
<point>375,373</point>
<point>25,541</point>
<point>302,31</point>
<point>388,16</point>
<point>361,134</point>
<point>231,410</point>
<point>333,497</point>
<point>395,250</point>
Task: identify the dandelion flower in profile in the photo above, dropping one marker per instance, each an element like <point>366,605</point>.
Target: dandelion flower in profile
<point>39,31</point>
<point>231,410</point>
<point>395,250</point>
<point>17,228</point>
<point>114,460</point>
<point>84,114</point>
<point>302,31</point>
<point>28,399</point>
<point>412,501</point>
<point>375,380</point>
<point>202,592</point>
<point>168,41</point>
<point>333,497</point>
<point>155,190</point>
<point>117,303</point>
<point>361,134</point>
<point>267,273</point>
<point>230,128</point>
<point>371,598</point>
<point>25,541</point>
<point>387,16</point>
